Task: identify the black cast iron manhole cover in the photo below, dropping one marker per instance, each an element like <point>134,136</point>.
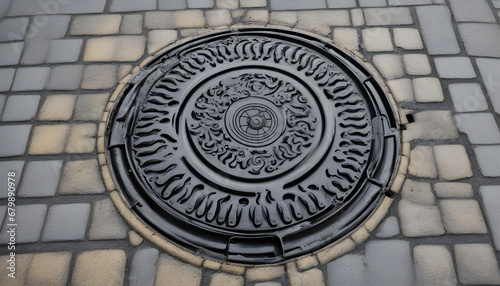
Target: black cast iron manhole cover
<point>253,145</point>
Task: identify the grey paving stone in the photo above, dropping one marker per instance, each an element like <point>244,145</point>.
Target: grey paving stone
<point>409,2</point>
<point>387,16</point>
<point>321,21</point>
<point>491,201</point>
<point>20,107</point>
<point>453,190</point>
<point>3,98</point>
<point>454,67</point>
<point>13,139</point>
<point>172,4</point>
<point>463,217</point>
<point>40,179</point>
<point>6,78</point>
<point>158,39</point>
<point>31,78</point>
<point>481,39</point>
<point>346,270</point>
<point>3,212</point>
<point>90,106</point>
<point>490,72</point>
<point>143,267</point>
<point>126,6</point>
<point>467,97</point>
<point>434,266</point>
<point>106,222</point>
<point>26,7</point>
<point>29,220</point>
<point>66,222</point>
<point>64,51</point>
<point>438,41</point>
<point>66,77</point>
<point>250,3</point>
<point>297,4</point>
<point>100,76</point>
<point>496,3</point>
<point>472,11</point>
<point>10,166</point>
<point>13,29</point>
<point>11,53</point>
<point>488,158</point>
<point>49,27</point>
<point>388,228</point>
<point>481,128</point>
<point>389,262</point>
<point>35,51</point>
<point>372,3</point>
<point>431,125</point>
<point>4,7</point>
<point>81,177</point>
<point>96,25</point>
<point>197,4</point>
<point>131,24</point>
<point>341,3</point>
<point>476,264</point>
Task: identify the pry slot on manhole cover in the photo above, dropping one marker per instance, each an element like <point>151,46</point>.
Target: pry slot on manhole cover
<point>253,145</point>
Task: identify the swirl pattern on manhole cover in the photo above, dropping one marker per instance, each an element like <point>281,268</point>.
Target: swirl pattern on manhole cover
<point>253,145</point>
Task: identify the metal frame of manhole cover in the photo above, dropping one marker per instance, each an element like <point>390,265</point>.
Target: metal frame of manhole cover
<point>253,145</point>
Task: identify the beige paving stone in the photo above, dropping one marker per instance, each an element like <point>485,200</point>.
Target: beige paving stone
<point>408,39</point>
<point>82,138</point>
<point>402,89</point>
<point>265,273</point>
<point>58,107</point>
<point>390,66</point>
<point>417,64</point>
<point>100,267</point>
<point>357,17</point>
<point>81,177</point>
<point>346,37</point>
<point>476,264</point>
<point>257,16</point>
<point>106,222</point>
<point>372,223</point>
<point>253,3</point>
<point>114,48</point>
<point>377,40</point>
<point>313,277</point>
<point>320,21</point>
<point>227,4</point>
<point>233,269</point>
<point>406,149</point>
<point>22,265</point>
<point>434,266</point>
<point>453,190</point>
<point>268,284</point>
<point>99,76</point>
<point>307,262</point>
<point>48,139</point>
<point>51,268</point>
<point>210,264</point>
<point>422,163</point>
<point>189,19</point>
<point>419,220</point>
<point>131,24</point>
<point>452,162</point>
<point>158,39</point>
<point>123,71</point>
<point>398,183</point>
<point>284,18</point>
<point>216,18</point>
<point>237,14</point>
<point>336,251</point>
<point>418,192</point>
<point>96,25</point>
<point>360,235</point>
<point>159,20</point>
<point>90,106</point>
<point>428,89</point>
<point>431,125</point>
<point>463,217</point>
<point>134,238</point>
<point>223,279</point>
<point>173,272</point>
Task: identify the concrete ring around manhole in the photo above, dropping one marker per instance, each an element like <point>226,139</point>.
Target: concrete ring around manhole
<point>252,146</point>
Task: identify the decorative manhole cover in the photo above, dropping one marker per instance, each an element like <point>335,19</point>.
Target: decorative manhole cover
<point>253,145</point>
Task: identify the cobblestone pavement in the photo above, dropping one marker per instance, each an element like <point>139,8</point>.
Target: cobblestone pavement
<point>61,60</point>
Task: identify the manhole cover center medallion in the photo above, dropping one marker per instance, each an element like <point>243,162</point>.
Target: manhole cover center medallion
<point>253,146</point>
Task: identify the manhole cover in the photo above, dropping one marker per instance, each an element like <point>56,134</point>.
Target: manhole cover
<point>253,145</point>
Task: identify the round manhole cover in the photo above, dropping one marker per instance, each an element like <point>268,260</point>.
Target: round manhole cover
<point>253,145</point>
